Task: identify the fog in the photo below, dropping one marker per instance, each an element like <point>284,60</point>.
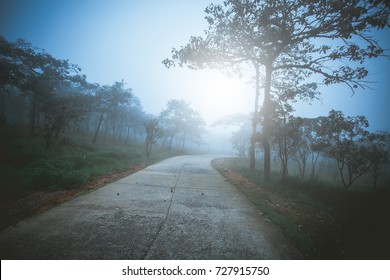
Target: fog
<point>93,91</point>
<point>127,40</point>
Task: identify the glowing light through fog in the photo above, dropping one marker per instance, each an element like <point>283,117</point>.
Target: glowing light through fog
<point>220,95</point>
<point>115,40</point>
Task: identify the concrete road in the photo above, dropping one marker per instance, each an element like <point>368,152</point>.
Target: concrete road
<point>180,208</point>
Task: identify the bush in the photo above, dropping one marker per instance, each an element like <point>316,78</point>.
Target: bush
<point>73,179</point>
<point>25,164</point>
<point>41,177</point>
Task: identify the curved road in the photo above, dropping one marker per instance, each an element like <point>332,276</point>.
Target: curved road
<point>180,208</point>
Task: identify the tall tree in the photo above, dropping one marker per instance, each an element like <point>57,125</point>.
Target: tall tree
<point>61,111</point>
<point>134,118</point>
<point>33,70</point>
<point>284,127</point>
<point>312,37</point>
<point>307,146</point>
<point>107,99</point>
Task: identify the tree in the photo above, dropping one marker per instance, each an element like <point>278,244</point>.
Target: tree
<point>239,138</point>
<point>50,95</point>
<point>61,111</point>
<point>284,128</point>
<point>107,99</point>
<point>354,148</point>
<point>286,138</point>
<point>179,121</point>
<point>134,118</point>
<point>306,146</point>
<point>39,74</point>
<point>153,132</point>
<point>309,37</point>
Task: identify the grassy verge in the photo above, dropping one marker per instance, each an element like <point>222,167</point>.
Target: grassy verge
<point>27,167</point>
<point>33,178</point>
<point>322,221</point>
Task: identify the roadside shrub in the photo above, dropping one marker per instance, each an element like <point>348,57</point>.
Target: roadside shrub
<point>73,179</point>
<point>41,177</point>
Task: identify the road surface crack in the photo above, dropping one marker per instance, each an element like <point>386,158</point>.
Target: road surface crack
<point>173,189</point>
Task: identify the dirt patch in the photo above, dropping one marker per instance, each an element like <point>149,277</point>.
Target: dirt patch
<point>40,201</point>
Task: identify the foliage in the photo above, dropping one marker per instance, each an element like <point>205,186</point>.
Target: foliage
<point>179,121</point>
<point>329,38</point>
<point>107,100</point>
<point>306,146</point>
<point>322,221</point>
<point>27,166</point>
<point>354,148</point>
<point>52,97</point>
<point>153,132</point>
<point>41,77</point>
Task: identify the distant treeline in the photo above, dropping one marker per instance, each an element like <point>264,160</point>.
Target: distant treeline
<point>316,148</point>
<point>50,97</point>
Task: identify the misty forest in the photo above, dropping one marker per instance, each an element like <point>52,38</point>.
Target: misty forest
<point>318,179</point>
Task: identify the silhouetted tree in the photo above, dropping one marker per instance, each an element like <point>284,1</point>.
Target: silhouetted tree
<point>309,37</point>
<point>306,146</point>
<point>38,74</point>
<point>64,109</point>
<point>354,148</point>
<point>107,100</point>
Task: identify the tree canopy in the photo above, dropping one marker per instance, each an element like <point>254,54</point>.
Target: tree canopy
<point>179,120</point>
<point>52,94</point>
<point>355,149</point>
<point>329,38</point>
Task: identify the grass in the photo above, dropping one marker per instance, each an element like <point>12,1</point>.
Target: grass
<point>324,222</point>
<point>33,178</point>
<point>27,166</point>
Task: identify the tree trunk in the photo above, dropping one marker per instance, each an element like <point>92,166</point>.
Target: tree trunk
<point>4,94</point>
<point>98,128</point>
<point>184,142</point>
<point>164,142</point>
<point>106,129</point>
<point>314,159</point>
<point>267,123</point>
<point>267,159</point>
<point>33,114</point>
<point>170,142</point>
<point>127,135</point>
<point>255,119</point>
<point>120,134</point>
<point>303,168</point>
<point>285,157</point>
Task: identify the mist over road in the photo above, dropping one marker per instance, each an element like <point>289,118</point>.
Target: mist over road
<point>180,208</point>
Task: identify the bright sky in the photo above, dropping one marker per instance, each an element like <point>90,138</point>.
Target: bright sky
<point>118,39</point>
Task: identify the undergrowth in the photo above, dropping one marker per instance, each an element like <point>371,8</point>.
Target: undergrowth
<point>323,221</point>
<point>27,166</point>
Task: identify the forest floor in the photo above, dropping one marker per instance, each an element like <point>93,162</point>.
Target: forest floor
<point>323,223</point>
